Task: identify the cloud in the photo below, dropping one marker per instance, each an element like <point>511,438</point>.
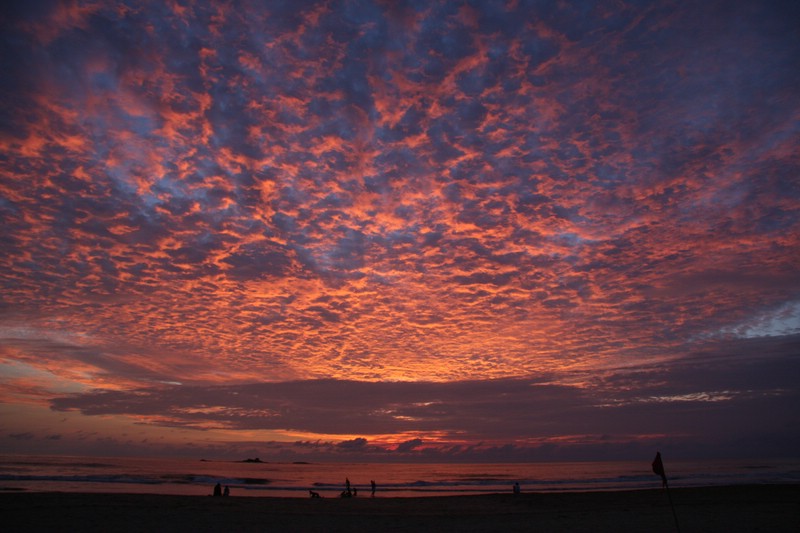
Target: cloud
<point>707,397</point>
<point>21,436</point>
<point>355,444</point>
<point>323,195</point>
<point>409,445</point>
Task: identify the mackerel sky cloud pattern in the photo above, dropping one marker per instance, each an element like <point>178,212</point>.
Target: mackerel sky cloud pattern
<point>573,196</point>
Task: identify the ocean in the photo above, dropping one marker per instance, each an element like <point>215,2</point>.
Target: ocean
<point>198,477</point>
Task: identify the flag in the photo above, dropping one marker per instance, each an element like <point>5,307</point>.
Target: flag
<point>658,468</point>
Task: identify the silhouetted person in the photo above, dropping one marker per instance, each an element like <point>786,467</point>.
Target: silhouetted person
<point>372,483</point>
<point>516,487</point>
<point>313,494</point>
<point>217,490</point>
<point>227,491</point>
<point>347,484</point>
<point>355,492</point>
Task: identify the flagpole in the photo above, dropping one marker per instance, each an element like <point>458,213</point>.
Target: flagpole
<point>672,506</point>
<point>658,468</point>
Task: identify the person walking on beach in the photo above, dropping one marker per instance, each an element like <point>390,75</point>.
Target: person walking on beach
<point>516,487</point>
<point>227,491</point>
<point>217,490</point>
<point>347,484</point>
<point>373,487</point>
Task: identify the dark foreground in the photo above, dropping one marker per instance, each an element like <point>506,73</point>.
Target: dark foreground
<point>736,508</point>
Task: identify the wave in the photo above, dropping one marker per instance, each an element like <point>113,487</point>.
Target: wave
<point>50,464</point>
<point>113,478</point>
<point>138,479</point>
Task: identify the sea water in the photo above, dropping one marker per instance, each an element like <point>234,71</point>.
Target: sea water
<point>197,477</point>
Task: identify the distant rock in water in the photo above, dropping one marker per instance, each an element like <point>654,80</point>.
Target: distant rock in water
<point>256,460</point>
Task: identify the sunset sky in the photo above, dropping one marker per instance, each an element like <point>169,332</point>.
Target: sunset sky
<point>379,230</point>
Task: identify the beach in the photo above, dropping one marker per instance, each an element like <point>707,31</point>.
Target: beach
<point>729,508</point>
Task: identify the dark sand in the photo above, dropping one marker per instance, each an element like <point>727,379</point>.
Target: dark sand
<point>736,508</point>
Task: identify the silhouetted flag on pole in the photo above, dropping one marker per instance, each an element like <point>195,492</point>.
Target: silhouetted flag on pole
<point>658,468</point>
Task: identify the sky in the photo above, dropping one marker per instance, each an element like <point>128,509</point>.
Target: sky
<point>400,231</point>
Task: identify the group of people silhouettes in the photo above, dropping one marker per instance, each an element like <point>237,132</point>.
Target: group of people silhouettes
<point>219,492</point>
<point>351,491</point>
